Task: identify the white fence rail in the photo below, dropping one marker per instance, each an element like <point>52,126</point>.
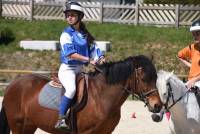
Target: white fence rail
<point>4,84</point>
<point>157,14</point>
<point>25,71</point>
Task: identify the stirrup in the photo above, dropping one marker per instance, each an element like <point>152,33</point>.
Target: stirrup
<point>62,125</point>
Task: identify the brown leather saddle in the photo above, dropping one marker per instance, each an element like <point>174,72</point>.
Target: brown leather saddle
<point>79,100</point>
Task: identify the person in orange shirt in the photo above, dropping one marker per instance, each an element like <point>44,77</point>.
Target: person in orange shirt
<point>190,56</point>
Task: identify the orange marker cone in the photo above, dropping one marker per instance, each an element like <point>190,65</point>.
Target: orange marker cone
<point>133,115</point>
<point>168,115</point>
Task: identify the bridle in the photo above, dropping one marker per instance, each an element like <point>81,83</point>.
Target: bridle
<point>171,95</point>
<point>141,96</point>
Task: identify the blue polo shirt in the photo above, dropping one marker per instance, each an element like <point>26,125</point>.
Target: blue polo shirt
<point>72,41</point>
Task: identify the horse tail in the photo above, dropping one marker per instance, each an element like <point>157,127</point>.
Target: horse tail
<point>4,127</point>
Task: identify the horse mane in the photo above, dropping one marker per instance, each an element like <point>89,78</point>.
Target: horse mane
<point>120,71</point>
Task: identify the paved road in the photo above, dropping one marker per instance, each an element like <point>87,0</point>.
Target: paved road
<point>142,124</point>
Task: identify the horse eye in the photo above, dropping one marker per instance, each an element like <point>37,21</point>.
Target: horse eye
<point>165,94</point>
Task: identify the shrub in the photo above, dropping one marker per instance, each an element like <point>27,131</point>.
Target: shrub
<point>6,36</point>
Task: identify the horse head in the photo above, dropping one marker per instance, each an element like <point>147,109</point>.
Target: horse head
<point>143,83</point>
<point>165,91</point>
<point>181,103</point>
<point>163,84</point>
<point>137,76</point>
<point>170,88</point>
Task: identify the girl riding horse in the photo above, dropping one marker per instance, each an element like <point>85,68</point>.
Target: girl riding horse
<point>77,48</point>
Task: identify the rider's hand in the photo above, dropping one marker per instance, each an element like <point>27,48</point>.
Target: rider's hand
<point>101,60</point>
<point>190,84</point>
<point>93,62</point>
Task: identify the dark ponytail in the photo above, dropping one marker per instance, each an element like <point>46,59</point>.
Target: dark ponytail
<point>90,38</point>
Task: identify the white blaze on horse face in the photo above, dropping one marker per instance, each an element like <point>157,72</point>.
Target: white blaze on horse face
<point>162,84</point>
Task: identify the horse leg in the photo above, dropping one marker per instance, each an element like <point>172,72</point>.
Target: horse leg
<point>22,126</point>
<point>16,129</point>
<point>16,124</point>
<point>28,127</point>
<point>4,127</point>
<point>111,124</point>
<point>108,125</point>
<point>29,130</point>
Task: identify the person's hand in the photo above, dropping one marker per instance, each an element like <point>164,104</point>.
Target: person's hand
<point>190,83</point>
<point>101,60</point>
<point>93,62</point>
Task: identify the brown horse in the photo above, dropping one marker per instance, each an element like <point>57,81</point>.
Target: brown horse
<point>107,91</point>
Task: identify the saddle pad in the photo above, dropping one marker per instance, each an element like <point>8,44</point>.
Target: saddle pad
<point>49,97</point>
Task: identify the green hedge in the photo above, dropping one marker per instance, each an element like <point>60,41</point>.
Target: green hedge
<point>6,36</point>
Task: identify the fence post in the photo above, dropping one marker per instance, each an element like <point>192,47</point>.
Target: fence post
<point>101,13</point>
<point>1,8</point>
<point>31,4</point>
<point>177,10</point>
<point>136,13</point>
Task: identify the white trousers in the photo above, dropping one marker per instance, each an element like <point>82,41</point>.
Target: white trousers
<point>67,76</point>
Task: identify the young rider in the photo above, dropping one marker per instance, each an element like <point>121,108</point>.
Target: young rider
<point>77,44</point>
<point>190,56</point>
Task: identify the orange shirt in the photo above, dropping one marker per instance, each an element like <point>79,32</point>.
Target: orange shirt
<point>192,55</point>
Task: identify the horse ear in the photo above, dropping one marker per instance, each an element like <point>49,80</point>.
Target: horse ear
<point>171,73</point>
<point>150,57</point>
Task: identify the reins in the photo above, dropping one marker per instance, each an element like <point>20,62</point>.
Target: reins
<point>170,94</point>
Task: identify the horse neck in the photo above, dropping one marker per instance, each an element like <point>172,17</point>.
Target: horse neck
<point>178,88</point>
<point>110,96</point>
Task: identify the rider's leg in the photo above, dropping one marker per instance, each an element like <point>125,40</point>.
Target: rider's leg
<point>64,106</point>
<point>67,76</point>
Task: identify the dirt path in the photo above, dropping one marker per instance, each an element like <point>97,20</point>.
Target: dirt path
<point>142,124</point>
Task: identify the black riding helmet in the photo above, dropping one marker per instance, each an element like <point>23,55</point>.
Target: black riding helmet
<point>74,6</point>
<point>195,26</point>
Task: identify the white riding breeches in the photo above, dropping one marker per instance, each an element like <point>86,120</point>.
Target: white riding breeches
<point>67,76</point>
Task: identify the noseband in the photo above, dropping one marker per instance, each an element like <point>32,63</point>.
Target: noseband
<point>142,96</point>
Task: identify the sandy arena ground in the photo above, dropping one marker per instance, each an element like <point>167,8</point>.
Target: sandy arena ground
<point>142,124</point>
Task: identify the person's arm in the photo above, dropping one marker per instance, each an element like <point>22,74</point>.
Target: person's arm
<point>96,54</point>
<point>185,62</point>
<point>184,55</point>
<point>79,57</point>
<point>190,83</point>
<point>69,50</point>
